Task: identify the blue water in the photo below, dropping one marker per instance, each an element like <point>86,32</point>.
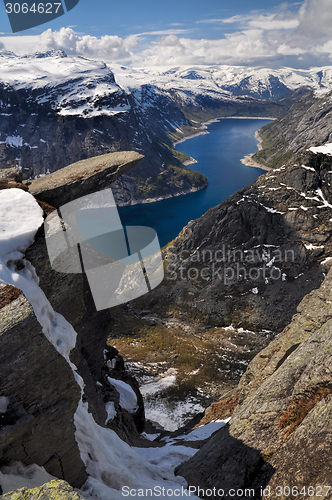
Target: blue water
<point>218,155</point>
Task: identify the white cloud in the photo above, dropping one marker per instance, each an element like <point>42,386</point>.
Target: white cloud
<point>301,37</point>
<point>233,19</point>
<point>171,31</point>
<point>111,47</point>
<point>131,42</point>
<point>296,35</point>
<point>237,48</point>
<point>274,22</point>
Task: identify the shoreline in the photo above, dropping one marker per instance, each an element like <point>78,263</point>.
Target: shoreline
<point>248,160</point>
<point>192,161</point>
<point>165,197</point>
<point>202,130</point>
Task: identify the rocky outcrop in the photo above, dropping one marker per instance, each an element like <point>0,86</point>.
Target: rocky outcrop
<point>221,409</point>
<point>54,490</point>
<point>280,430</point>
<point>83,177</point>
<point>11,178</point>
<point>40,405</point>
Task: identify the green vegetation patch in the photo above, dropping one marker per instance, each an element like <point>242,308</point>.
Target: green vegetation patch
<point>173,176</point>
<point>54,490</point>
<point>197,358</point>
<point>274,152</point>
<point>181,157</point>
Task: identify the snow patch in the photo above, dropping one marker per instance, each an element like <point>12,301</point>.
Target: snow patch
<point>20,218</point>
<point>14,141</point>
<point>325,261</point>
<point>167,379</point>
<point>308,168</point>
<point>172,415</point>
<point>167,457</point>
<point>326,149</point>
<point>17,475</point>
<point>111,411</point>
<point>204,431</point>
<point>128,398</point>
<point>150,437</point>
<point>310,246</point>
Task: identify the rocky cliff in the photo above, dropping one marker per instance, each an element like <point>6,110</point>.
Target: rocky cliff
<point>85,176</point>
<point>234,278</point>
<point>61,110</point>
<point>39,390</point>
<point>305,124</point>
<point>279,436</point>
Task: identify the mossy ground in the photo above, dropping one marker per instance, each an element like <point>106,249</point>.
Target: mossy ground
<point>197,357</point>
<point>54,490</point>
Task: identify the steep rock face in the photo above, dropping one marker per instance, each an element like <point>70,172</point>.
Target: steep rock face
<point>281,428</point>
<point>70,295</point>
<point>250,260</point>
<point>38,405</point>
<point>83,178</point>
<point>305,124</point>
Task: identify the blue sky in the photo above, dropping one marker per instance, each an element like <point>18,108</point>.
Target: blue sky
<point>186,32</point>
<point>126,17</point>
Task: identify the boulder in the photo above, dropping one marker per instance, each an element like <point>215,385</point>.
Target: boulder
<point>54,490</point>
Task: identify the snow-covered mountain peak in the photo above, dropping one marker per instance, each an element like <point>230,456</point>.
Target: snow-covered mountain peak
<point>49,53</point>
<point>71,85</point>
<point>258,82</point>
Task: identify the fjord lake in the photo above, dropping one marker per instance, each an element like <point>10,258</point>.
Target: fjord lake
<point>218,156</point>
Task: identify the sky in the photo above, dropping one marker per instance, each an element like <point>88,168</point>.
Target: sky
<point>186,32</point>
